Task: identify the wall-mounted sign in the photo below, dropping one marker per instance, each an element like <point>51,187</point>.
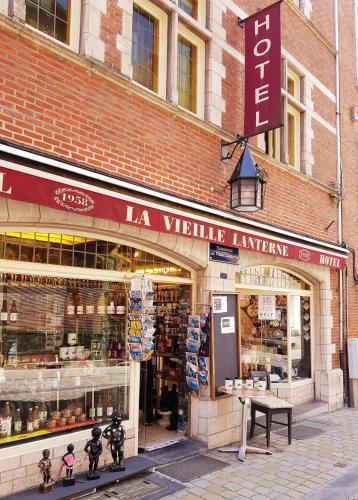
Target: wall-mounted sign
<point>221,253</point>
<point>228,324</point>
<point>219,304</point>
<point>267,307</point>
<point>47,189</point>
<point>263,71</point>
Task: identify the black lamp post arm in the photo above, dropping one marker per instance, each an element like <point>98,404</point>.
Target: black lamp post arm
<point>225,153</point>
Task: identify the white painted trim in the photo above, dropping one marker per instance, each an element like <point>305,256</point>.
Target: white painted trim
<point>324,123</point>
<point>162,19</point>
<point>200,67</point>
<point>75,27</point>
<point>304,71</point>
<point>4,7</point>
<point>156,194</point>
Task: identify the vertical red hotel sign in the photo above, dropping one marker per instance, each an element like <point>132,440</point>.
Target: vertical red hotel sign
<point>263,71</point>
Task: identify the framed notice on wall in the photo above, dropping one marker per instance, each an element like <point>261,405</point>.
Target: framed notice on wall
<point>225,340</point>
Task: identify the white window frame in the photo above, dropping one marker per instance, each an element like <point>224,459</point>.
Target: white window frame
<point>162,19</point>
<point>75,26</point>
<point>200,69</point>
<point>297,84</point>
<point>275,136</point>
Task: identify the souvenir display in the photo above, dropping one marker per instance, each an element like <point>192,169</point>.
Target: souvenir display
<point>45,468</point>
<point>68,462</point>
<point>116,435</point>
<point>141,320</point>
<point>197,345</point>
<point>94,450</point>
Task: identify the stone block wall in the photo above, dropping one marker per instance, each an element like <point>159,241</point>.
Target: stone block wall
<point>19,471</point>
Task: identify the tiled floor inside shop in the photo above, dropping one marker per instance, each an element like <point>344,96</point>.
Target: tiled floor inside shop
<point>153,437</point>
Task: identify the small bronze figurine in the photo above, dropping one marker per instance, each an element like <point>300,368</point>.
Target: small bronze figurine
<point>68,461</point>
<point>93,449</point>
<point>45,467</point>
<point>115,434</point>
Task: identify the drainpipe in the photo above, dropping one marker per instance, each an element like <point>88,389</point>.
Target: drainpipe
<point>339,180</point>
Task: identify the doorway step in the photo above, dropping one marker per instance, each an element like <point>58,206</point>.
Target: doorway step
<point>177,452</point>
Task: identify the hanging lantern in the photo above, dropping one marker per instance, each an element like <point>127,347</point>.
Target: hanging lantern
<point>247,185</point>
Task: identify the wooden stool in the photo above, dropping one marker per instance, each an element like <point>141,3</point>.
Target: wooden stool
<point>271,406</point>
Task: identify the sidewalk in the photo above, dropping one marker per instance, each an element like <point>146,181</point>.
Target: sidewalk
<point>306,467</point>
<point>321,464</point>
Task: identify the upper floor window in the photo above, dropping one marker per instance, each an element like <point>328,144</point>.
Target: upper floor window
<point>145,49</point>
<point>149,46</point>
<point>51,17</point>
<point>187,68</point>
<point>58,19</point>
<point>191,69</point>
<point>285,144</point>
<point>190,7</point>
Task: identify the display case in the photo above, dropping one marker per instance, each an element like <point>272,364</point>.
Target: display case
<point>63,353</point>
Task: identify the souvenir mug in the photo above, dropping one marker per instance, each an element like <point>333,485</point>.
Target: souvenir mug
<point>63,352</point>
<point>261,385</point>
<point>237,383</point>
<point>72,352</point>
<point>249,383</point>
<point>228,384</point>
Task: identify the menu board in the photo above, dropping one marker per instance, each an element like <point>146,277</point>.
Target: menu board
<point>225,340</point>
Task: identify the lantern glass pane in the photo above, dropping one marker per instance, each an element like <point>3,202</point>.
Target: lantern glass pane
<point>234,194</point>
<point>247,192</point>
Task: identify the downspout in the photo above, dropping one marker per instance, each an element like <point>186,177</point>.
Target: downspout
<point>339,182</point>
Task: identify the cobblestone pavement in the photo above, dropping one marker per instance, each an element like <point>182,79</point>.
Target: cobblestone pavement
<point>323,467</point>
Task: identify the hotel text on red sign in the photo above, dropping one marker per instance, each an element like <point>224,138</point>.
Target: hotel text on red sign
<point>263,71</point>
<point>74,197</point>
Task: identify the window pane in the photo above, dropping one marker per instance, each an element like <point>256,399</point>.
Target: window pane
<point>190,7</point>
<point>187,74</point>
<point>145,49</point>
<point>300,337</point>
<point>50,17</point>
<point>264,342</point>
<point>31,14</point>
<point>291,133</point>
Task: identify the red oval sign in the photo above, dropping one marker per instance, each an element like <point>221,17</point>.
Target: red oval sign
<point>304,255</point>
<point>74,199</point>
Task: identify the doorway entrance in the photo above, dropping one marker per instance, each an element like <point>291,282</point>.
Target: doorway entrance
<point>164,398</point>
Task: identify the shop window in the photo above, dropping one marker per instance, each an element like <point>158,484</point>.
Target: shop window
<point>191,69</point>
<point>59,19</point>
<point>149,46</point>
<point>67,250</point>
<point>63,352</point>
<point>275,325</point>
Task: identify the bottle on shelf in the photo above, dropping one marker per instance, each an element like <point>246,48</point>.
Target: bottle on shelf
<point>43,414</point>
<point>30,421</point>
<point>36,417</point>
<point>121,304</point>
<point>17,422</point>
<point>70,308</point>
<point>89,304</point>
<point>101,305</point>
<point>4,314</point>
<point>99,409</point>
<point>79,304</point>
<point>7,419</point>
<point>13,312</point>
<point>111,308</point>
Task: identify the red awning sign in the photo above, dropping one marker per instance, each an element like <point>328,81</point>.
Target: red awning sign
<point>33,186</point>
